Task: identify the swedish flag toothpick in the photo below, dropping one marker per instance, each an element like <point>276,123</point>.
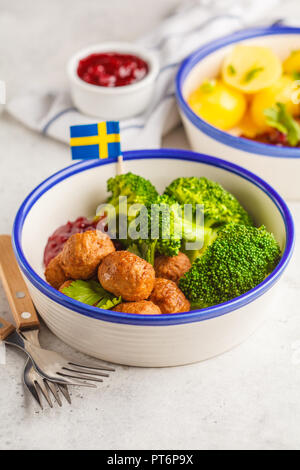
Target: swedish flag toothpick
<point>101,140</point>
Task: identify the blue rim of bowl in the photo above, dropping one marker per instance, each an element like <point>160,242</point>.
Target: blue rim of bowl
<point>224,137</point>
<point>152,320</point>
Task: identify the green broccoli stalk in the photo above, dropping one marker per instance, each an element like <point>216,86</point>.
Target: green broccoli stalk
<point>145,249</point>
<point>238,260</point>
<point>210,234</point>
<point>220,207</point>
<point>165,225</point>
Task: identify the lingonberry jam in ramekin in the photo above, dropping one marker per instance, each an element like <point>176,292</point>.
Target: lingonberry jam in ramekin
<point>113,80</point>
<point>112,69</point>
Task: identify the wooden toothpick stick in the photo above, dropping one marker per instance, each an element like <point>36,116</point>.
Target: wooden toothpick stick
<point>120,169</point>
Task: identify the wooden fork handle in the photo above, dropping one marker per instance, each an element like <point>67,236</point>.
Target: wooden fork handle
<point>5,329</point>
<point>15,288</point>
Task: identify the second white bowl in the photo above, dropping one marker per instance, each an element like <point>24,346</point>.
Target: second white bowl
<point>280,166</point>
<point>117,102</point>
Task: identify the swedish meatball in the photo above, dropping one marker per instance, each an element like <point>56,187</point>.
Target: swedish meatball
<point>54,273</point>
<point>172,267</point>
<point>64,285</point>
<point>83,252</point>
<point>168,297</point>
<point>127,275</point>
<point>143,307</point>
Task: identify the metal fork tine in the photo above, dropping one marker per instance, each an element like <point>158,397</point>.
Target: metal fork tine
<point>30,375</point>
<point>92,367</point>
<point>54,392</point>
<point>87,372</point>
<point>80,383</point>
<point>64,390</point>
<point>42,387</point>
<point>35,394</point>
<point>82,377</point>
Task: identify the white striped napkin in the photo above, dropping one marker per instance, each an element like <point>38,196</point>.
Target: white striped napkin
<point>192,25</point>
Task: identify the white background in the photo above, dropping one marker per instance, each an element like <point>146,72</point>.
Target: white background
<point>247,398</point>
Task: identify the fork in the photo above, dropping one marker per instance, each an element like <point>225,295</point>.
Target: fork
<point>37,384</point>
<point>27,338</point>
<point>20,302</point>
<point>53,366</point>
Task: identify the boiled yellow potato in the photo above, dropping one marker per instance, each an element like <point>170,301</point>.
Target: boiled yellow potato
<point>247,126</point>
<point>218,104</point>
<point>292,63</point>
<point>251,68</point>
<point>281,92</point>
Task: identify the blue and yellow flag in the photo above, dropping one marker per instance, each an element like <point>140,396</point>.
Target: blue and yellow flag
<point>91,141</point>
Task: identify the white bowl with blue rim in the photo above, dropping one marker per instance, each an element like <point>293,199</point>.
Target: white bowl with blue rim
<point>280,166</point>
<point>146,340</point>
<point>115,102</point>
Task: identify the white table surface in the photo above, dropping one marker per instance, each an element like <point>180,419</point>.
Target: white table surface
<point>247,398</point>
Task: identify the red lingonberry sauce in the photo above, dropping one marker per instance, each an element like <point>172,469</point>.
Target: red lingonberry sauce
<point>112,69</point>
<point>273,137</point>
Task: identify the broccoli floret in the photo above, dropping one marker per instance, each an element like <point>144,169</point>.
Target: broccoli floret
<point>173,228</point>
<point>238,260</point>
<point>166,227</point>
<point>160,230</point>
<point>220,207</point>
<point>137,189</point>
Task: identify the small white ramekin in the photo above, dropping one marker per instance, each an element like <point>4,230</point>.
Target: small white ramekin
<point>118,102</point>
<point>146,340</point>
<point>280,166</point>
